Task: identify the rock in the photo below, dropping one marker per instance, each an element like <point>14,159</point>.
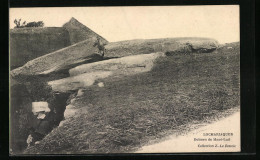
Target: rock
<point>73,100</point>
<point>80,93</point>
<point>70,111</point>
<point>120,66</point>
<point>29,43</point>
<point>79,32</point>
<point>77,82</point>
<point>145,46</point>
<point>101,84</point>
<point>29,140</point>
<point>58,60</point>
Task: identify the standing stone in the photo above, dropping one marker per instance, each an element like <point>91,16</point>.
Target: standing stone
<point>79,32</point>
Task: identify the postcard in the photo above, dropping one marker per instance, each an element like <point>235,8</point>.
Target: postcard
<point>139,79</point>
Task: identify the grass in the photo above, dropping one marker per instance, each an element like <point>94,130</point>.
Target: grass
<point>130,111</point>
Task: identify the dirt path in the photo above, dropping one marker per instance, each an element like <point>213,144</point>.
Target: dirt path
<point>195,141</point>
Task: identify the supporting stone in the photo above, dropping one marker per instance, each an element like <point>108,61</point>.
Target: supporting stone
<point>58,60</point>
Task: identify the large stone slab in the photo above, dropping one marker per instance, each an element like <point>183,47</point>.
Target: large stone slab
<point>87,74</point>
<point>125,65</point>
<point>29,43</point>
<point>58,60</point>
<point>79,32</point>
<point>77,82</point>
<point>144,46</point>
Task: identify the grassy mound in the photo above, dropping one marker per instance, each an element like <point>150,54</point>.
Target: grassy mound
<point>129,111</point>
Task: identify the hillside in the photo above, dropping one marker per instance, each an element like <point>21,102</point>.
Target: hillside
<point>128,111</point>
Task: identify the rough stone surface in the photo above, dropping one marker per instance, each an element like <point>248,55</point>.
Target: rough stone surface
<point>70,111</point>
<point>40,107</point>
<point>84,132</point>
<point>86,75</point>
<point>79,32</point>
<point>23,106</point>
<point>145,46</point>
<point>125,65</point>
<point>21,113</point>
<point>80,92</point>
<point>77,82</point>
<point>29,43</point>
<point>58,60</point>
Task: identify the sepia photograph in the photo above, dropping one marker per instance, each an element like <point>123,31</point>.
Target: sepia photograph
<point>126,79</point>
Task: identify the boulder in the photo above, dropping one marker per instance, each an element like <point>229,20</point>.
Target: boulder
<point>79,32</point>
<point>145,46</point>
<point>40,107</point>
<point>29,43</point>
<point>21,113</point>
<point>120,66</point>
<point>80,81</point>
<point>70,111</point>
<point>80,92</point>
<point>87,74</point>
<point>58,60</point>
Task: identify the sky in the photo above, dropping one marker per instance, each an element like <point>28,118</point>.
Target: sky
<point>220,22</point>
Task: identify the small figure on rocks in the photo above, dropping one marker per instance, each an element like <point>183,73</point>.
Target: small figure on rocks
<point>101,46</point>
